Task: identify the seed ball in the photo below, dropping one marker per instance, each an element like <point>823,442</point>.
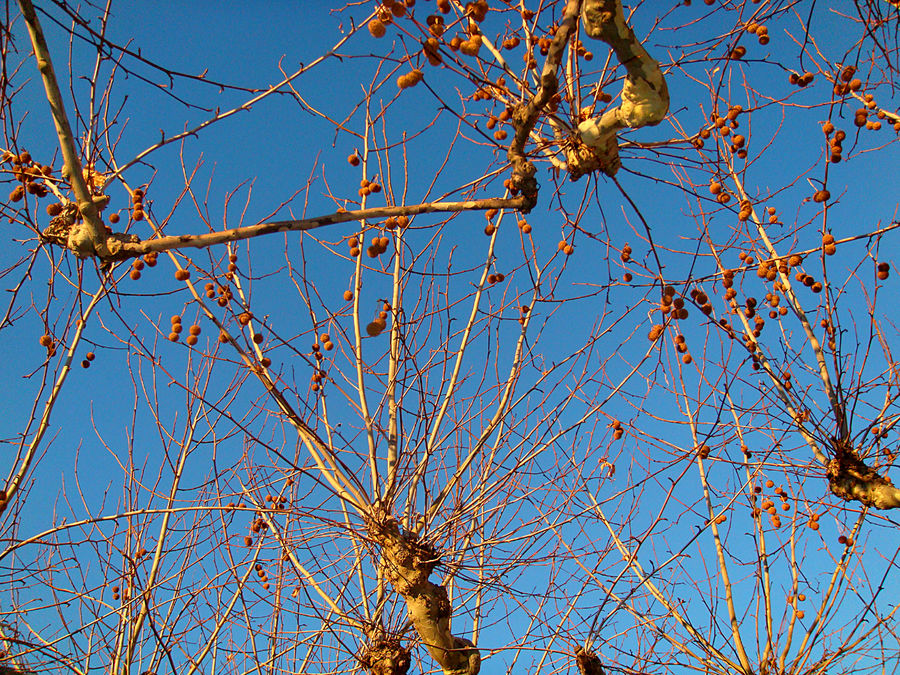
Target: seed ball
<point>173,336</point>
<point>821,196</point>
<point>377,28</point>
<point>114,218</point>
<point>348,295</point>
<point>135,275</point>
<point>569,249</point>
<point>191,340</point>
<point>257,338</point>
<point>54,209</point>
<point>265,362</point>
<point>182,275</point>
<point>373,329</point>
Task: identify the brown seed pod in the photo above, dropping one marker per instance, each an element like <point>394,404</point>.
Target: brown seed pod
<point>377,28</point>
<point>348,295</point>
<point>821,196</point>
<point>182,275</point>
<point>353,159</point>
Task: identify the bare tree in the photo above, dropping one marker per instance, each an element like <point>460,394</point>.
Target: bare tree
<point>593,371</point>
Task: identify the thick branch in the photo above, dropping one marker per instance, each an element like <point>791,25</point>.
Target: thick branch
<point>851,479</point>
<point>88,236</point>
<point>525,116</point>
<point>645,96</point>
<point>408,563</point>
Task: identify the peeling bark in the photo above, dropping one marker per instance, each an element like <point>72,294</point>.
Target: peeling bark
<point>645,96</point>
<point>851,479</point>
<point>408,562</point>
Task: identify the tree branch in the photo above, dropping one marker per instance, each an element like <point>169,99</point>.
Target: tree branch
<point>124,249</point>
<point>408,563</point>
<point>88,236</point>
<point>525,115</point>
<point>645,96</point>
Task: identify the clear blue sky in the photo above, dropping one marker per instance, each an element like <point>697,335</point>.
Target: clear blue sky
<point>280,149</point>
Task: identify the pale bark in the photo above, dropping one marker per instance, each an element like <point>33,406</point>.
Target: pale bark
<point>644,98</point>
<point>408,562</point>
<point>86,236</point>
<point>851,479</point>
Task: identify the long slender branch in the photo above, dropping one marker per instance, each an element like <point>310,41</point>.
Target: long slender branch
<point>123,250</point>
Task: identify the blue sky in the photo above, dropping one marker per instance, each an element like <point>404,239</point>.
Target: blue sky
<point>588,331</point>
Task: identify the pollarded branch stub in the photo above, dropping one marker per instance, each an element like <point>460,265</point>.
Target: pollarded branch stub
<point>384,654</point>
<point>851,479</point>
<point>644,97</point>
<point>67,229</point>
<point>588,662</point>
